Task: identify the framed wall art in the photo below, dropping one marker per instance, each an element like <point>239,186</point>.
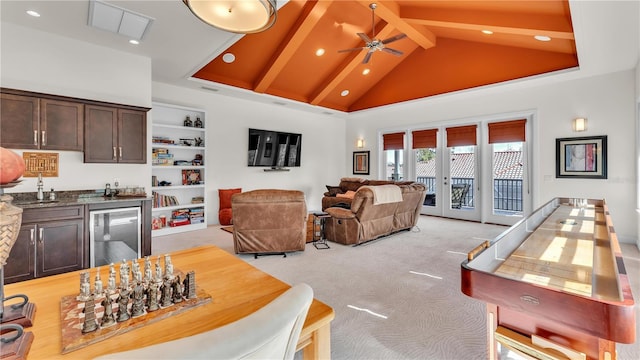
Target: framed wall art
<point>361,162</point>
<point>581,157</point>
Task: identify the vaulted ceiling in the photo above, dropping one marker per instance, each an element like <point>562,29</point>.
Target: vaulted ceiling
<point>446,49</point>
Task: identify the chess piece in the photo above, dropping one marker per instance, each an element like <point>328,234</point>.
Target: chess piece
<point>137,306</point>
<point>158,278</point>
<point>165,298</point>
<point>98,284</point>
<point>112,269</point>
<point>108,318</point>
<point>188,122</point>
<point>177,290</point>
<point>85,287</point>
<point>190,285</point>
<point>152,297</point>
<point>123,301</point>
<point>168,267</point>
<point>111,288</point>
<point>90,324</point>
<point>198,122</point>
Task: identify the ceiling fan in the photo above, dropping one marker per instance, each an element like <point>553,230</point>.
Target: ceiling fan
<point>374,44</point>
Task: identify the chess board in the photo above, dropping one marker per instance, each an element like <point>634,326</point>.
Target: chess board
<point>72,315</point>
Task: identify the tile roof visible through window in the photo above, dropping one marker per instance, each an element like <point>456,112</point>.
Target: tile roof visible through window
<point>506,165</point>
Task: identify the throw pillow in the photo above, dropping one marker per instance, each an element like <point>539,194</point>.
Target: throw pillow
<point>349,194</point>
<point>225,197</point>
<point>333,190</point>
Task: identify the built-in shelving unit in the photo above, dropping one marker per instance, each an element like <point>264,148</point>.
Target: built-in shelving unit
<point>178,169</point>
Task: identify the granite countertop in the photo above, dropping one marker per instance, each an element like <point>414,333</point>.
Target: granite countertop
<point>29,200</point>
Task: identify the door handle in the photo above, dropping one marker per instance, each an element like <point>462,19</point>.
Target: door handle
<point>41,237</point>
<point>114,153</point>
<point>32,236</point>
<point>120,148</point>
<point>35,137</point>
<point>44,138</point>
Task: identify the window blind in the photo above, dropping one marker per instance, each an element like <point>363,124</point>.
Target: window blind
<point>423,139</point>
<point>461,136</point>
<point>393,141</point>
<point>507,131</point>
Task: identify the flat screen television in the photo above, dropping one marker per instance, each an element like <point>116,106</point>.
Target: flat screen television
<point>275,149</point>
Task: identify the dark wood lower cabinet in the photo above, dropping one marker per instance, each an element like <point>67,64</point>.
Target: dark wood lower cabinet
<point>50,241</point>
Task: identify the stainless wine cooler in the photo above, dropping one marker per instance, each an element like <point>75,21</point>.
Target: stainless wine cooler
<point>114,235</point>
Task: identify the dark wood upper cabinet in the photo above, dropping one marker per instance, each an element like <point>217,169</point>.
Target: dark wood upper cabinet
<point>32,122</point>
<point>19,121</point>
<point>115,135</point>
<point>61,125</point>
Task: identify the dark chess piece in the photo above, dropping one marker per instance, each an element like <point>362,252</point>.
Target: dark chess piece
<point>165,299</point>
<point>177,290</point>
<point>190,285</point>
<point>198,122</point>
<point>137,305</point>
<point>152,297</point>
<point>108,318</point>
<point>123,301</point>
<point>90,324</point>
<point>188,122</point>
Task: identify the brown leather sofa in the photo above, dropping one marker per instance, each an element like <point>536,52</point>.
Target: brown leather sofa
<point>269,221</point>
<point>365,221</point>
<point>335,195</point>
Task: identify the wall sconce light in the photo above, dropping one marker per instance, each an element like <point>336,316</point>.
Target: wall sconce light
<point>360,143</point>
<point>242,17</point>
<point>579,124</point>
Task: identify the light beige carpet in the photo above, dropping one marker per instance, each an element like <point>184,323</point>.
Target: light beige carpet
<point>398,297</point>
<point>228,229</point>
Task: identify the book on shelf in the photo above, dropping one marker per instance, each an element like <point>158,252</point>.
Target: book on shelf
<point>196,215</point>
<point>160,200</point>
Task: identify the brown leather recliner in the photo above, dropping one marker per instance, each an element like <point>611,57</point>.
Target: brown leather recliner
<point>269,221</point>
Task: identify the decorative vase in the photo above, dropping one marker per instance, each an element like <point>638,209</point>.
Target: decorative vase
<point>11,166</point>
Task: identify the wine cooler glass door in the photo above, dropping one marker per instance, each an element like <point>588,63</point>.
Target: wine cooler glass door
<point>115,235</point>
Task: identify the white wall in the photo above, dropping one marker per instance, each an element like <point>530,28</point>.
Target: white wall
<point>607,101</point>
<point>38,61</point>
<point>227,122</point>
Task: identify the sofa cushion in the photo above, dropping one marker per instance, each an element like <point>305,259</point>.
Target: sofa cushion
<point>225,216</point>
<point>225,197</point>
<point>340,213</point>
<point>349,194</point>
<point>333,190</point>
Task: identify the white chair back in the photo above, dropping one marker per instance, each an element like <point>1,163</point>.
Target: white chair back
<point>269,333</point>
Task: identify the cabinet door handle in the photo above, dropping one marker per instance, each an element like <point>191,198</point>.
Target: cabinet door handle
<point>35,137</point>
<point>120,147</point>
<point>41,237</point>
<point>114,153</point>
<point>32,236</point>
<point>44,138</point>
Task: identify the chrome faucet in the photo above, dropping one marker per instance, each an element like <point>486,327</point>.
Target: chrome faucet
<point>40,195</point>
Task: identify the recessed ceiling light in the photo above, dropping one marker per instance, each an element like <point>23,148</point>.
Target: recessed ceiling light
<point>33,13</point>
<point>134,42</point>
<point>488,32</point>
<point>366,71</point>
<point>320,52</point>
<point>344,93</point>
<point>542,38</point>
<point>228,58</point>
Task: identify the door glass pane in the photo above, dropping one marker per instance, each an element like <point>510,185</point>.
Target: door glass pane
<point>462,170</point>
<point>395,168</point>
<point>508,166</point>
<point>426,173</point>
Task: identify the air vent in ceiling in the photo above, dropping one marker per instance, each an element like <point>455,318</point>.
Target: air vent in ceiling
<point>118,20</point>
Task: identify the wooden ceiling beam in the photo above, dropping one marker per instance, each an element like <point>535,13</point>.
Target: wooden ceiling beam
<point>389,11</point>
<point>312,12</point>
<point>556,26</point>
<point>344,70</point>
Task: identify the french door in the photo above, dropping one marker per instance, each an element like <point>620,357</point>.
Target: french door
<point>473,172</point>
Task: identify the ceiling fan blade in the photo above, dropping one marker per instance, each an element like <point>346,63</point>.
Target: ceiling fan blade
<point>364,37</point>
<point>367,57</point>
<point>393,51</point>
<point>352,49</point>
<point>394,38</point>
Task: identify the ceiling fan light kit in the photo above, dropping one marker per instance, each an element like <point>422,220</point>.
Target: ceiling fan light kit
<point>372,45</point>
<point>237,16</point>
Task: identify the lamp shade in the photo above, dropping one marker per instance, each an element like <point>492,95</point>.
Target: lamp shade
<point>238,16</point>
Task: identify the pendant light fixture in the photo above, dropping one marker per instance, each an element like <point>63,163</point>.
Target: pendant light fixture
<point>237,16</point>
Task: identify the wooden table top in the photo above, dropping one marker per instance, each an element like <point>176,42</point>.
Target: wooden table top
<point>237,288</point>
